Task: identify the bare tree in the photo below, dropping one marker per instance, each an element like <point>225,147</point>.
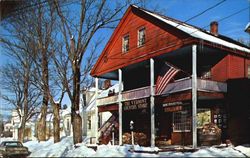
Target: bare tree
<point>19,93</point>
<point>78,33</point>
<point>45,27</point>
<point>32,32</point>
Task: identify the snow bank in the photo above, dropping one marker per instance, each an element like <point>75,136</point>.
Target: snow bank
<point>65,148</point>
<point>81,151</point>
<point>49,149</point>
<point>245,149</point>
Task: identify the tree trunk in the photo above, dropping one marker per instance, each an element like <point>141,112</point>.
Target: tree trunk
<point>21,130</point>
<point>45,80</point>
<point>24,112</point>
<point>76,118</point>
<point>41,125</point>
<point>56,123</point>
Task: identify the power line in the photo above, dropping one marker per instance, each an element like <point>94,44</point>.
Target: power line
<point>199,14</point>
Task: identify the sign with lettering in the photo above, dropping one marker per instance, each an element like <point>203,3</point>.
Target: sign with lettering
<point>174,104</point>
<point>135,104</point>
<point>173,108</point>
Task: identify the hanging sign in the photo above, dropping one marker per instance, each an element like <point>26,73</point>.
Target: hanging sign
<point>135,104</point>
<point>173,106</point>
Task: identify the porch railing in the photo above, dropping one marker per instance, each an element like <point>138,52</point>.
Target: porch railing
<point>107,100</point>
<point>136,93</point>
<point>202,85</point>
<point>177,86</point>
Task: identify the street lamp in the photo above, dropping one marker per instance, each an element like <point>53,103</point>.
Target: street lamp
<point>132,133</point>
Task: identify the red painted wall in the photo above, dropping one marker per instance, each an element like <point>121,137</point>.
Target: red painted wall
<point>230,67</point>
<point>157,38</point>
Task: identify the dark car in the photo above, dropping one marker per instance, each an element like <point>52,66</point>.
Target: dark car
<point>13,149</point>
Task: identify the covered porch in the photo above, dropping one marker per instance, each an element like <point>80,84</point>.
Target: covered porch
<point>195,60</point>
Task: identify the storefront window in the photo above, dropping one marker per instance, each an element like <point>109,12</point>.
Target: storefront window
<point>68,124</point>
<point>182,120</point>
<point>203,116</point>
<point>89,122</point>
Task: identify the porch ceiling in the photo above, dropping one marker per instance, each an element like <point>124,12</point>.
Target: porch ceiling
<point>182,58</point>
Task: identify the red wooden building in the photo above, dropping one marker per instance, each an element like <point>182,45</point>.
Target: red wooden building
<point>209,62</point>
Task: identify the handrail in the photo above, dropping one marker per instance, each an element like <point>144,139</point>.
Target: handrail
<point>177,86</point>
<point>137,89</point>
<point>112,118</point>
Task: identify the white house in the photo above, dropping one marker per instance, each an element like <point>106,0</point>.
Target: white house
<point>8,127</point>
<point>30,128</point>
<point>88,104</point>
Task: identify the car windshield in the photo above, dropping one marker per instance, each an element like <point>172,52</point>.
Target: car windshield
<point>13,144</point>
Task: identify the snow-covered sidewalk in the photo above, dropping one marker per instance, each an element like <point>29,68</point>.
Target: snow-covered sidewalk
<point>65,148</point>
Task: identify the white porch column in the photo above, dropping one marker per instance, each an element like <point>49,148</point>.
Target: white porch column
<point>152,102</point>
<point>194,95</point>
<point>120,105</point>
<point>96,110</point>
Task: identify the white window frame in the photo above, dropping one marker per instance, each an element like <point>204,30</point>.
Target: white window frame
<point>139,39</point>
<point>68,125</point>
<point>89,122</point>
<point>125,48</point>
<point>184,119</point>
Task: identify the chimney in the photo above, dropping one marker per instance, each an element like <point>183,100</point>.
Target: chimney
<point>214,28</point>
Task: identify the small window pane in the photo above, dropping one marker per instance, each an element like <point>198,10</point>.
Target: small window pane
<point>89,122</point>
<point>141,37</point>
<point>125,43</point>
<point>182,120</point>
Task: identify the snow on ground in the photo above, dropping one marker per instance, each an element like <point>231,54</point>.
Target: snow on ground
<point>245,149</point>
<point>65,148</point>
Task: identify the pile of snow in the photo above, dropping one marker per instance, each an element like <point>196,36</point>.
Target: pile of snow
<point>244,149</point>
<point>66,148</point>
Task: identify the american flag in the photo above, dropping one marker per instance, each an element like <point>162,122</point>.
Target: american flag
<point>166,74</point>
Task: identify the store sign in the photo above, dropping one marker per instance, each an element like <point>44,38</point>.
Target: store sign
<point>135,104</point>
<point>173,108</point>
<point>174,103</point>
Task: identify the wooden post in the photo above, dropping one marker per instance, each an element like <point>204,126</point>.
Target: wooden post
<point>120,105</point>
<point>96,110</point>
<point>152,103</point>
<point>194,95</point>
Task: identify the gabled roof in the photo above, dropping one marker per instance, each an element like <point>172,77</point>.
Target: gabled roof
<point>198,32</point>
<point>196,35</point>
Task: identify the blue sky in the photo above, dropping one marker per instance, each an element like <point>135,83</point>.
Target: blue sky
<point>182,10</point>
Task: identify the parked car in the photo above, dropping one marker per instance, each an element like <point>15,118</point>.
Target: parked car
<point>13,149</point>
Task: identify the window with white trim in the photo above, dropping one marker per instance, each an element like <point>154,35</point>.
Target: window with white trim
<point>125,44</point>
<point>89,122</point>
<point>68,125</point>
<point>141,37</point>
<point>182,120</point>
